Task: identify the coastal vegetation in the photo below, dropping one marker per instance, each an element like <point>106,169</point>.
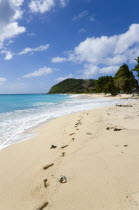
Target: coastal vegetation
<point>136,68</point>
<point>73,86</point>
<point>105,85</point>
<point>123,81</point>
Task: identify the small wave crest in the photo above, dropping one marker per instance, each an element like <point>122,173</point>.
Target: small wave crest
<point>16,122</point>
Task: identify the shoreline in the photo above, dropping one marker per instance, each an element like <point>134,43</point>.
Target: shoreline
<point>30,132</point>
<point>100,164</point>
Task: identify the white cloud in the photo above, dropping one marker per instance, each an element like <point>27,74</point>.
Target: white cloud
<point>59,79</point>
<point>37,49</point>
<point>42,6</point>
<point>10,31</point>
<point>1,45</point>
<point>31,34</point>
<point>10,13</point>
<point>82,30</point>
<point>2,80</point>
<point>64,2</point>
<point>109,69</point>
<point>106,52</point>
<point>92,19</point>
<point>93,70</point>
<point>39,72</point>
<point>89,70</point>
<point>8,54</point>
<point>84,14</point>
<point>81,15</point>
<point>58,60</point>
<point>10,42</point>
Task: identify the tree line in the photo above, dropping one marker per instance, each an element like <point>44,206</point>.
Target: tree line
<point>124,81</point>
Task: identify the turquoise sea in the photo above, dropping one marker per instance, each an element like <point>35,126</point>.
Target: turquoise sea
<point>20,112</point>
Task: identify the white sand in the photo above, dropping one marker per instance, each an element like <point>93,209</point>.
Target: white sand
<point>101,166</point>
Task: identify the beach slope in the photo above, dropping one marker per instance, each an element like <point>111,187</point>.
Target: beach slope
<point>96,150</point>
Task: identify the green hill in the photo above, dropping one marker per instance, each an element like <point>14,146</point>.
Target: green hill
<point>73,86</point>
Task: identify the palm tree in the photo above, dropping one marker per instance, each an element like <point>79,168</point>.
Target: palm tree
<point>125,80</point>
<point>136,68</point>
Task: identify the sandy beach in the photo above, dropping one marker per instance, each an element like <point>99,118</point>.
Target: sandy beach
<point>96,150</point>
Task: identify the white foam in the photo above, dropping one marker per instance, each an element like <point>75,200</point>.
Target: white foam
<point>16,122</point>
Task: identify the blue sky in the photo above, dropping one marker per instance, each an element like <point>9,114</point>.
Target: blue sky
<point>45,41</point>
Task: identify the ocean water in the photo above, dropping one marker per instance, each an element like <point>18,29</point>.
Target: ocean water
<point>18,113</point>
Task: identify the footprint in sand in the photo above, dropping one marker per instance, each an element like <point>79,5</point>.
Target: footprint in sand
<point>63,154</point>
<point>45,183</point>
<point>43,206</point>
<point>48,166</point>
<point>126,145</point>
<point>53,147</point>
<point>89,133</point>
<point>114,128</point>
<point>77,124</point>
<point>118,129</point>
<point>64,146</point>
